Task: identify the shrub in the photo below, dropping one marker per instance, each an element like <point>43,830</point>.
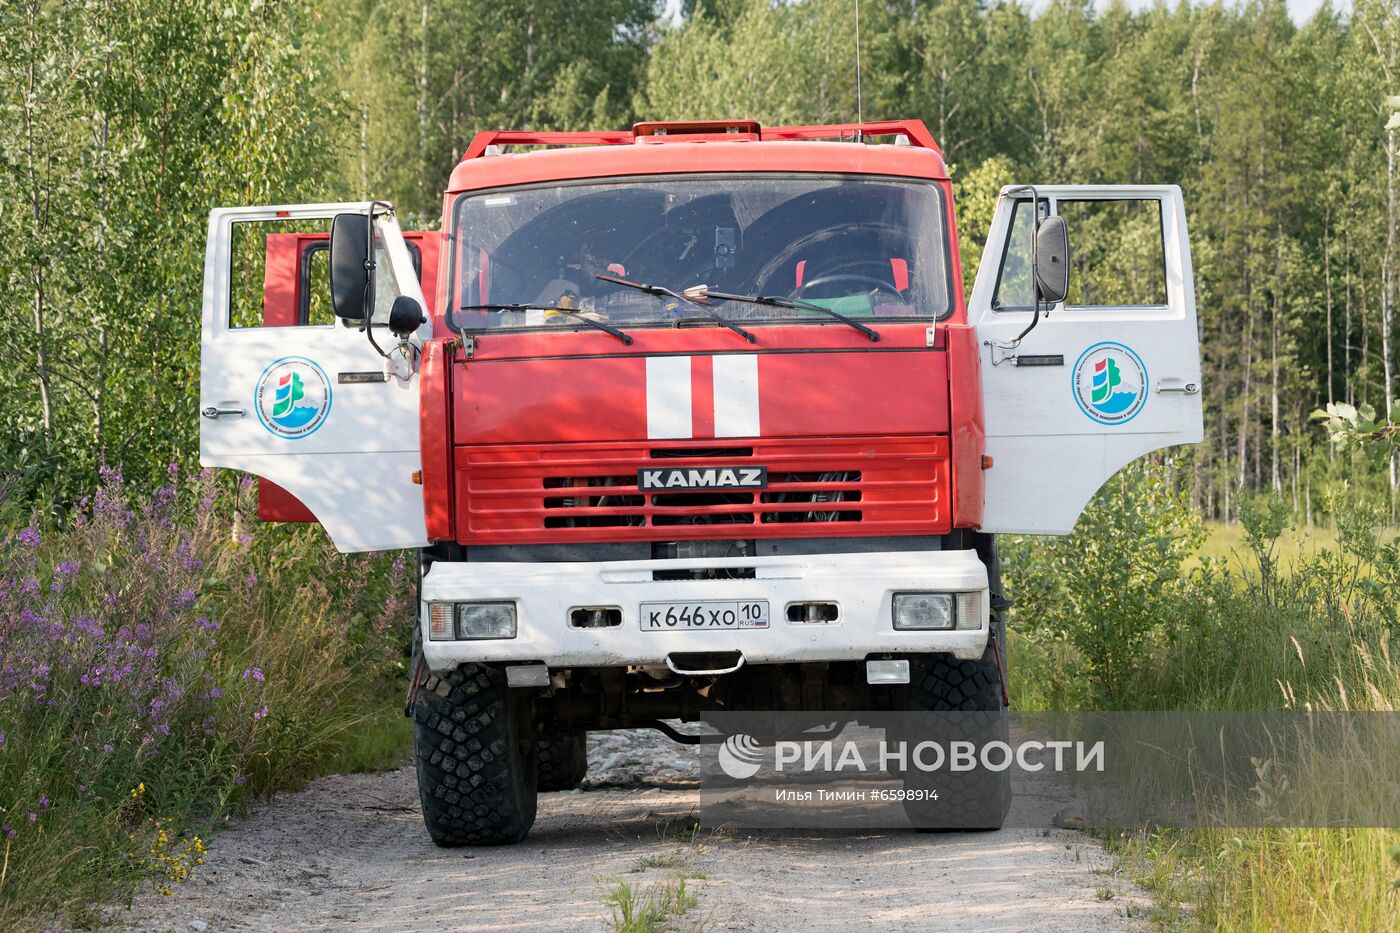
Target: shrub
<point>163,659</point>
<point>1107,589</point>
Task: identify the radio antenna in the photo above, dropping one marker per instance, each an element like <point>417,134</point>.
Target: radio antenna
<point>860,110</point>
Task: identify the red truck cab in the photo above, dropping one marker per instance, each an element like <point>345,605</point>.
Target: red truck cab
<point>695,416</point>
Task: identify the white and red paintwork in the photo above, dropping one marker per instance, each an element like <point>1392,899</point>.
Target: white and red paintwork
<point>942,438</point>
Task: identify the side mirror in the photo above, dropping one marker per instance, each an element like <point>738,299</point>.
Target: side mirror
<point>405,316</point>
<point>1051,259</point>
<point>350,294</point>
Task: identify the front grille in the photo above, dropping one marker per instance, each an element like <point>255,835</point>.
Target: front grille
<point>816,487</point>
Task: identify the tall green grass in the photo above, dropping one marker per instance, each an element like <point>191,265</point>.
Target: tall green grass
<point>164,659</point>
<point>1141,608</point>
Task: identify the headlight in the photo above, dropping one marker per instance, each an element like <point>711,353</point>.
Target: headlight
<point>923,611</point>
<point>447,621</point>
<point>486,620</point>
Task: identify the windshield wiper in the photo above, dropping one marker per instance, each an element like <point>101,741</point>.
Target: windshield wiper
<point>625,338</point>
<point>794,303</point>
<point>695,296</point>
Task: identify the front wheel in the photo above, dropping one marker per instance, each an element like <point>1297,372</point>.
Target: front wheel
<point>474,749</point>
<point>953,701</point>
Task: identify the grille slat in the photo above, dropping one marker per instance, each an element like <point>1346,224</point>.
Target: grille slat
<point>589,492</point>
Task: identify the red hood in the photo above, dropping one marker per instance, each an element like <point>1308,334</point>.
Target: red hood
<point>811,381</point>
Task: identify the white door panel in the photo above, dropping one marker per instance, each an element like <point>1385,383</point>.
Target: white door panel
<point>309,407</point>
<point>1090,389</point>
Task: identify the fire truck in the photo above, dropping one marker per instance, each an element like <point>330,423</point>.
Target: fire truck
<point>691,417</point>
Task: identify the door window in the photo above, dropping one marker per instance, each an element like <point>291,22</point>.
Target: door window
<point>267,285</point>
<point>1116,253</point>
<point>1013,291</point>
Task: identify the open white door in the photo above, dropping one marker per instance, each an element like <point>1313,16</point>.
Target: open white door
<point>1110,374</point>
<point>312,408</point>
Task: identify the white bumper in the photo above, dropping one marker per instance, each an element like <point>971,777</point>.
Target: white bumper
<point>861,585</point>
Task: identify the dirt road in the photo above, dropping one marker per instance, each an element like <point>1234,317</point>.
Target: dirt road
<point>349,853</point>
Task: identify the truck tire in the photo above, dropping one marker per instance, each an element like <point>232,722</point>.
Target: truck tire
<point>474,748</point>
<point>978,799</point>
<point>563,760</point>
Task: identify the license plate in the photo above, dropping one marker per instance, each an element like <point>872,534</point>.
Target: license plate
<point>704,614</point>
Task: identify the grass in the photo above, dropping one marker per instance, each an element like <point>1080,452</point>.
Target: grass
<point>163,661</point>
<point>1227,542</point>
<point>638,908</point>
<point>1289,619</point>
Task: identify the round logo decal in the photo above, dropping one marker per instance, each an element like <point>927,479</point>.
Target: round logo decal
<point>1110,383</point>
<point>293,397</point>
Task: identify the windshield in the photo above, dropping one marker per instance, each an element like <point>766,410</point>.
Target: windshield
<point>864,247</point>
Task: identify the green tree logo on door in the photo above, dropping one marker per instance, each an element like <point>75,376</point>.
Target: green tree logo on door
<point>293,397</point>
<point>1110,383</point>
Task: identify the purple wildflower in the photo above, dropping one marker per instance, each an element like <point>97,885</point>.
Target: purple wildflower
<point>29,537</point>
<point>108,748</point>
<point>184,598</point>
<point>43,803</point>
<point>260,713</point>
<point>5,828</point>
<point>33,817</point>
<point>255,673</point>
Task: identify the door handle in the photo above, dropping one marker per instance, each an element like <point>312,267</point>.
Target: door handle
<point>214,412</point>
<point>1172,384</point>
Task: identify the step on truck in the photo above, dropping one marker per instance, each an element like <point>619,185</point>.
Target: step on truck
<point>692,417</point>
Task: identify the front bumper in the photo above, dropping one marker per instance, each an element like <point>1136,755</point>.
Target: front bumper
<point>861,585</point>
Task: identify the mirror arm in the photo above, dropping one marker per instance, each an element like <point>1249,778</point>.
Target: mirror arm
<point>1035,280</point>
<point>371,270</point>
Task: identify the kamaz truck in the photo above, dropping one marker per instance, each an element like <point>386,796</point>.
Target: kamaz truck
<point>692,417</point>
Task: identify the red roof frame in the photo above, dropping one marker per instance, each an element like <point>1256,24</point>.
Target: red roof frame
<point>696,131</point>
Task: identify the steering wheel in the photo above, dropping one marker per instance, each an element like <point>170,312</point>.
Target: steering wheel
<point>875,284</point>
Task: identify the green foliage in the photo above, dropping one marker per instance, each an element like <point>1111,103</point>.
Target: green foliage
<point>1109,589</point>
<point>1352,426</point>
<point>121,125</point>
<point>166,660</point>
<point>1280,624</point>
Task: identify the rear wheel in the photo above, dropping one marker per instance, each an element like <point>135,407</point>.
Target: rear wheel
<point>563,760</point>
<point>474,748</point>
<point>963,700</point>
